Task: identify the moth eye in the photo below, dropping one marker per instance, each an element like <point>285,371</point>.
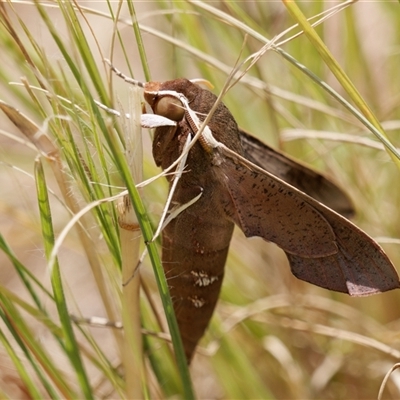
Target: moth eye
<point>169,107</point>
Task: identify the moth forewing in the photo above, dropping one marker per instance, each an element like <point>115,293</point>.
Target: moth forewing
<point>296,174</point>
<point>359,266</point>
<point>265,206</point>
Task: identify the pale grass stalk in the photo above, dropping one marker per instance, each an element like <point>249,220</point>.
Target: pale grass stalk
<point>295,134</point>
<point>386,378</point>
<point>130,236</point>
<point>256,312</point>
<point>342,334</point>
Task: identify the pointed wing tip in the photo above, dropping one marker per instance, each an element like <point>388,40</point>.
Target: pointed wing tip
<point>363,291</point>
<point>329,273</point>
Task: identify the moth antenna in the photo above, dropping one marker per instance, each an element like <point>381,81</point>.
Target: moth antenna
<point>126,78</point>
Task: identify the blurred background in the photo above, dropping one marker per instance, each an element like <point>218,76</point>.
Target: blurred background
<point>272,336</point>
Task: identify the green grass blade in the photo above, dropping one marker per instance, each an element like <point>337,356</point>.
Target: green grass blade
<point>30,386</point>
<point>37,313</point>
<point>340,75</point>
<point>24,273</point>
<point>34,351</point>
<point>71,345</point>
<point>366,117</point>
<point>139,41</point>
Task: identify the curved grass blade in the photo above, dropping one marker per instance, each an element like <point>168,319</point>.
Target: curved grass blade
<point>71,345</point>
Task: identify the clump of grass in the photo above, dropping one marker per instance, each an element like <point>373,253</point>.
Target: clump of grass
<point>268,338</point>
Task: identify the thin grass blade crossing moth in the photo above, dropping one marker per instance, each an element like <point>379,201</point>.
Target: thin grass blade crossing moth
<point>244,182</point>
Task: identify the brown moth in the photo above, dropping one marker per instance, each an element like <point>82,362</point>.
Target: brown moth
<point>244,182</point>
